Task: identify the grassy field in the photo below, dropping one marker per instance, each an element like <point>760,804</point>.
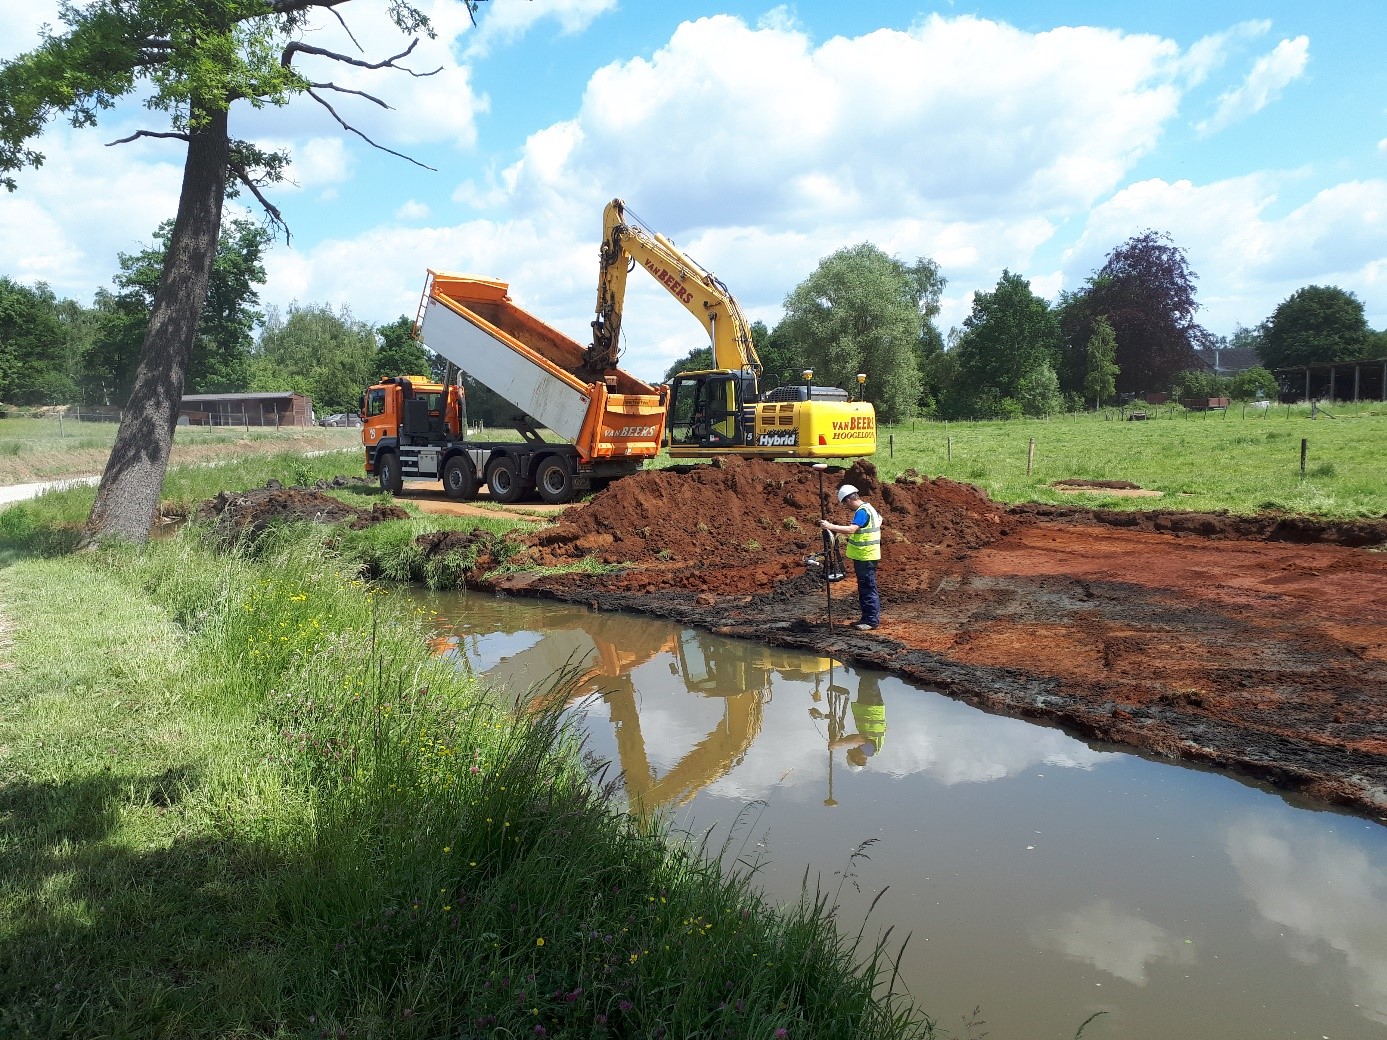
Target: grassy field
<point>1197,461</point>
<point>240,799</point>
<point>47,449</point>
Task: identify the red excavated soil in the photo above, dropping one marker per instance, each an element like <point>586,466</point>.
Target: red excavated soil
<point>1253,644</point>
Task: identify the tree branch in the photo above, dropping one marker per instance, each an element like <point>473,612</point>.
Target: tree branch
<point>346,28</point>
<point>271,210</point>
<point>349,90</point>
<point>296,47</point>
<point>347,126</point>
<point>290,6</point>
<point>149,133</point>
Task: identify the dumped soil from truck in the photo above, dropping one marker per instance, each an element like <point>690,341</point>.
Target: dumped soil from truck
<point>1255,645</point>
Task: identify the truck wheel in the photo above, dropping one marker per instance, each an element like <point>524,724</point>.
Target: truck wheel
<point>388,468</point>
<point>503,479</point>
<point>459,481</point>
<point>554,481</point>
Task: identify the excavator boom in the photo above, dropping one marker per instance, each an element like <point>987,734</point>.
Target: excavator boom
<point>625,240</point>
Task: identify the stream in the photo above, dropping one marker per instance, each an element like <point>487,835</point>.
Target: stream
<point>1040,878</point>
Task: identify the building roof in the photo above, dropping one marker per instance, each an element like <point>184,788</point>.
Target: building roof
<point>1228,359</point>
<point>277,395</point>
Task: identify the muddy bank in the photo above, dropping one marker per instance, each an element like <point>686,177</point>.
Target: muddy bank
<point>1255,645</point>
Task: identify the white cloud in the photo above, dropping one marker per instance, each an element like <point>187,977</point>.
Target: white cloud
<point>1228,228</point>
<point>413,210</point>
<point>1210,53</point>
<point>504,23</point>
<point>88,202</point>
<point>1271,74</point>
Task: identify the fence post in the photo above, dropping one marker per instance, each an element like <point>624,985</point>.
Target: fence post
<point>891,442</point>
<point>1304,445</point>
<point>1030,456</point>
<point>948,449</point>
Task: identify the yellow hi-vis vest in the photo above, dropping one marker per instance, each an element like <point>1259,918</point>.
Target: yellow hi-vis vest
<point>865,542</point>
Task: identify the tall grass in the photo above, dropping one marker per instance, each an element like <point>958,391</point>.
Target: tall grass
<point>248,802</point>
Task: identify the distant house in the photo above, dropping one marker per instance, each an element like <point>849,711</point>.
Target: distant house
<point>1226,361</point>
<point>281,408</point>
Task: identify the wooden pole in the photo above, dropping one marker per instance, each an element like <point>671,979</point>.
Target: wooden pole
<point>948,449</point>
<point>1030,456</point>
<point>1304,446</point>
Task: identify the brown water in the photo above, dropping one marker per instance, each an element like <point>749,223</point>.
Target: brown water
<point>1040,878</point>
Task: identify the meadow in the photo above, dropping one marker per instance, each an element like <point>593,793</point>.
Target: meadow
<point>1243,461</point>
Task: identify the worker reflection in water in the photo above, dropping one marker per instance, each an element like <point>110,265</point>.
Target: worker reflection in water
<point>864,550</point>
<point>868,732</point>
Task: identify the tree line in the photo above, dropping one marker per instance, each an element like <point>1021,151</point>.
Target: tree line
<point>1129,329</point>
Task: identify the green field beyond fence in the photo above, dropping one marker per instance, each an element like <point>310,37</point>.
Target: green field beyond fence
<point>1243,461</point>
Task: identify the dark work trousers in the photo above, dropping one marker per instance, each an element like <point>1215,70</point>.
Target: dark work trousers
<point>867,597</point>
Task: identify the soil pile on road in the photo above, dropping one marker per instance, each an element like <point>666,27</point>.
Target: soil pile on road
<point>247,514</point>
<point>743,524</point>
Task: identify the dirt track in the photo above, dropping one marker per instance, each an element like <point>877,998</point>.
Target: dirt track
<point>1257,645</point>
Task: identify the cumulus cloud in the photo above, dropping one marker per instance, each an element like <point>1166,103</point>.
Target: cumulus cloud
<point>1271,74</point>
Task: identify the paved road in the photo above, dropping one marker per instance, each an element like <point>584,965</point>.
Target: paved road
<point>24,492</point>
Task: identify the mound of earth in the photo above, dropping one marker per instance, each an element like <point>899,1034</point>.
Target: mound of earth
<point>741,524</point>
<point>1255,644</point>
<point>246,514</point>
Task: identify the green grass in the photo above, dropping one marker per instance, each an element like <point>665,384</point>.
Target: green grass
<point>241,799</point>
<point>1198,461</point>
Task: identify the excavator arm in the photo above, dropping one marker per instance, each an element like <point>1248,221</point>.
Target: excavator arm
<point>626,243</point>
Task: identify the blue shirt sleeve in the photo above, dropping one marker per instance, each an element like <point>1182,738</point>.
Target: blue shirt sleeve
<point>861,518</point>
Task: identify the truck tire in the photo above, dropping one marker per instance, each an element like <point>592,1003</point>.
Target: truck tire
<point>554,480</point>
<point>388,469</point>
<point>459,482</point>
<point>503,479</point>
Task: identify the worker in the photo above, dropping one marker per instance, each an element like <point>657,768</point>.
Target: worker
<point>864,550</point>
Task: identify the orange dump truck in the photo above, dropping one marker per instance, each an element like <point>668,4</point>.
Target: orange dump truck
<point>413,429</point>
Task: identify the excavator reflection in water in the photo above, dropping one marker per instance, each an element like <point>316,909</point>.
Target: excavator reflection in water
<point>738,675</point>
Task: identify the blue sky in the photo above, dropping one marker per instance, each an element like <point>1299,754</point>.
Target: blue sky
<point>993,135</point>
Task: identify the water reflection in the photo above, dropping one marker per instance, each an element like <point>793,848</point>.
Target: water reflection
<point>1113,940</point>
<point>1039,877</point>
<point>1321,898</point>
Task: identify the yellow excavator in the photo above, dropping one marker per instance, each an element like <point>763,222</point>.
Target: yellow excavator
<point>721,411</point>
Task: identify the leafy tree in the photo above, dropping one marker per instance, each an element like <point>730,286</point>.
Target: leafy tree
<point>863,311</point>
<point>220,358</point>
<point>190,59</point>
<point>700,359</point>
<point>1007,351</point>
<point>1100,373</point>
<point>400,354</point>
<point>1314,325</point>
<point>330,357</point>
<point>1252,383</point>
<point>1145,290</point>
<point>32,342</point>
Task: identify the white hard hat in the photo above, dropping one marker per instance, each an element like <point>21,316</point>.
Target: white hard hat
<point>845,491</point>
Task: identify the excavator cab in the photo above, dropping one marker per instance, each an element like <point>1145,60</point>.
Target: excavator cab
<point>711,409</point>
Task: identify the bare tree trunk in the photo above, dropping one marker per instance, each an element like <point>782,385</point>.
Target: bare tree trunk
<point>127,500</point>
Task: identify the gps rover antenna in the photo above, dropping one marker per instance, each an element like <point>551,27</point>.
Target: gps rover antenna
<point>828,542</point>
